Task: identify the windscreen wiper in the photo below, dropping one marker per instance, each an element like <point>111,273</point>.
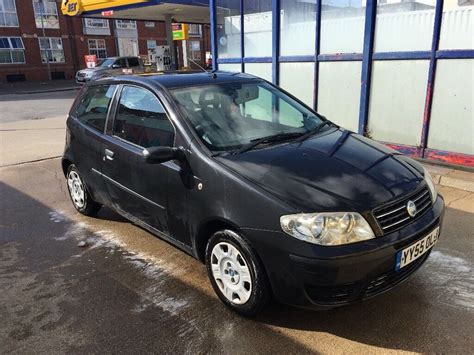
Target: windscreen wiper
<point>313,131</point>
<point>268,139</point>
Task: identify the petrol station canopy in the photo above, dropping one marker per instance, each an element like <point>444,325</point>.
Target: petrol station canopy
<point>186,11</point>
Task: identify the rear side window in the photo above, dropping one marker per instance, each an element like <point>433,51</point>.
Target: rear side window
<point>133,62</point>
<point>141,119</point>
<point>93,106</point>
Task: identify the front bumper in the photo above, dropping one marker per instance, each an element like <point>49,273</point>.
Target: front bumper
<point>82,79</point>
<point>308,275</point>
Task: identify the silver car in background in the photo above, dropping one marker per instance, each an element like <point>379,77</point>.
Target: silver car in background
<point>112,66</point>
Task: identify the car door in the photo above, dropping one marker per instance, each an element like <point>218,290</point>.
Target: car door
<point>87,135</point>
<point>136,187</point>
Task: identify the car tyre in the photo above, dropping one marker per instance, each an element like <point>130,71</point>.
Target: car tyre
<point>236,273</point>
<point>80,197</point>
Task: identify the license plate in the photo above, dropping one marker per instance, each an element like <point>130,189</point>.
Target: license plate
<point>417,249</point>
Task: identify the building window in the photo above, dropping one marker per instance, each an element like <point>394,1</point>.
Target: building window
<point>46,12</point>
<point>195,50</point>
<point>97,47</point>
<point>194,30</point>
<point>96,23</point>
<point>151,43</point>
<point>126,24</point>
<point>8,16</point>
<point>51,50</point>
<point>149,24</point>
<point>12,50</point>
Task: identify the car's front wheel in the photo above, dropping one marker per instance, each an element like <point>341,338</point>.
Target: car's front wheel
<point>80,197</point>
<point>236,274</point>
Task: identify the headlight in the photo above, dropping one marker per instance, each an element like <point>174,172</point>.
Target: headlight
<point>332,228</point>
<point>89,74</point>
<point>431,185</point>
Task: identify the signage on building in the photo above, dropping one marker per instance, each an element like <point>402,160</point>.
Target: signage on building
<point>91,60</point>
<point>107,13</point>
<point>180,31</point>
<point>71,7</point>
<point>76,7</point>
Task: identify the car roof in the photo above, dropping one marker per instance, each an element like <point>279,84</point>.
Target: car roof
<point>177,79</point>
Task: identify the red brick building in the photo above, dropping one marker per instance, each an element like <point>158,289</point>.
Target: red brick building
<point>24,51</point>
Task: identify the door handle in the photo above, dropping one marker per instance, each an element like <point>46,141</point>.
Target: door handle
<point>109,154</point>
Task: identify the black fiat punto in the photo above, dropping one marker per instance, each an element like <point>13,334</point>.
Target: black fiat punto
<point>277,200</point>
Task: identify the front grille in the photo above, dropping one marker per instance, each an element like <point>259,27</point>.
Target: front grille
<point>392,278</point>
<point>395,216</point>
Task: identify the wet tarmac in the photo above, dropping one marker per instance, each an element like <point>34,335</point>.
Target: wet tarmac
<point>127,291</point>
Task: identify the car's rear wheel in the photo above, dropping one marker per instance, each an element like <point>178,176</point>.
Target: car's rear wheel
<point>236,274</point>
<point>80,197</point>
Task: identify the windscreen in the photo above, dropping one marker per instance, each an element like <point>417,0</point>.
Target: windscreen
<point>105,63</point>
<point>228,116</point>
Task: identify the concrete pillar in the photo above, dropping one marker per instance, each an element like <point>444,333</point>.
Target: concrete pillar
<point>169,39</point>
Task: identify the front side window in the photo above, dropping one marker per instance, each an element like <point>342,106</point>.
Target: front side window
<point>97,47</point>
<point>8,15</point>
<point>12,50</point>
<point>46,14</point>
<point>120,63</point>
<point>126,24</point>
<point>93,106</point>
<point>141,119</point>
<point>51,50</point>
<point>229,116</point>
<point>96,23</point>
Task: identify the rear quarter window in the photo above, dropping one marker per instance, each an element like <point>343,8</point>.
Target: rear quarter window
<point>93,106</point>
<point>133,62</point>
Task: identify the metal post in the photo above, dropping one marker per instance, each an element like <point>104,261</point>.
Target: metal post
<point>431,76</point>
<point>317,48</point>
<point>213,18</point>
<point>275,55</point>
<point>275,41</point>
<point>40,2</point>
<point>370,17</point>
<point>169,39</point>
<point>242,44</point>
<point>72,44</point>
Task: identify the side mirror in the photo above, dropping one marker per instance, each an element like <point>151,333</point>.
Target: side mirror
<point>116,66</point>
<point>157,155</point>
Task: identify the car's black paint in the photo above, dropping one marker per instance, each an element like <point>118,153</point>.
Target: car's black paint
<point>183,200</point>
